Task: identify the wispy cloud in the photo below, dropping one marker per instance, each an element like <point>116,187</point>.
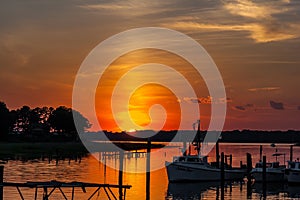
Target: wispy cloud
<point>130,7</point>
<point>276,105</point>
<point>206,100</point>
<point>260,33</point>
<point>259,19</point>
<point>243,107</point>
<point>263,89</point>
<point>249,9</point>
<point>201,100</point>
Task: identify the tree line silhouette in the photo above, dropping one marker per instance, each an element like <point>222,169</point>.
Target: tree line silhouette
<point>40,121</point>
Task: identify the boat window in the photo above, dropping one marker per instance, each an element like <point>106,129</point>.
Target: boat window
<point>181,159</point>
<point>193,159</point>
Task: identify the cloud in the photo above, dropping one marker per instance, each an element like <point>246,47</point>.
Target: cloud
<point>227,100</point>
<point>263,20</point>
<point>130,7</point>
<point>249,9</point>
<point>240,107</point>
<point>206,100</point>
<point>192,100</point>
<point>263,89</point>
<point>260,33</point>
<point>243,107</point>
<point>276,105</point>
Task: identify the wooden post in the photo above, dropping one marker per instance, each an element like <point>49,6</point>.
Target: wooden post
<point>260,152</point>
<point>184,150</point>
<point>148,170</point>
<point>121,174</point>
<point>222,175</point>
<point>291,152</point>
<point>217,155</point>
<point>230,160</point>
<point>1,181</point>
<point>264,170</point>
<point>249,168</point>
<point>45,195</point>
<point>264,176</point>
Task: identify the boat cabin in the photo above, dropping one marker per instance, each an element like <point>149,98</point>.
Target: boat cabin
<point>190,159</point>
<point>268,165</point>
<point>294,165</point>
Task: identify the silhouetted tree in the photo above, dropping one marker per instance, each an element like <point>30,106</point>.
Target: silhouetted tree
<point>23,120</point>
<point>61,120</point>
<point>13,114</point>
<point>39,118</point>
<point>4,120</point>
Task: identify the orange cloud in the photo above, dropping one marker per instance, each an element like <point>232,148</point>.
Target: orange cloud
<point>260,33</point>
<point>264,89</point>
<point>250,9</point>
<point>259,21</point>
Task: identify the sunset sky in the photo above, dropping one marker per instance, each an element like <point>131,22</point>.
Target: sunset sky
<point>255,44</point>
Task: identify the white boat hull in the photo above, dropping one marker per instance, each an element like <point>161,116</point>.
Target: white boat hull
<point>178,172</point>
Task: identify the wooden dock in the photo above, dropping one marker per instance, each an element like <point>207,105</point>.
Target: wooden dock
<point>50,186</point>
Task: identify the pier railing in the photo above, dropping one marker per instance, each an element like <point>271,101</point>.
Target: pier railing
<point>49,187</point>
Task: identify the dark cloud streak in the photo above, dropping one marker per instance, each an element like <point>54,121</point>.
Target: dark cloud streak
<point>276,105</point>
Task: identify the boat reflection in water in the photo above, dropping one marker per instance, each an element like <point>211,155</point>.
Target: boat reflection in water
<point>211,189</point>
<point>197,190</point>
<point>277,189</point>
<point>193,190</point>
<point>272,188</point>
<point>293,191</point>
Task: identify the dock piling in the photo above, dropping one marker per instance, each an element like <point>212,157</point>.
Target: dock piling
<point>217,155</point>
<point>264,176</point>
<point>249,168</point>
<point>1,181</point>
<point>291,152</point>
<point>260,152</point>
<point>121,175</point>
<point>184,149</point>
<point>148,170</point>
<point>222,175</point>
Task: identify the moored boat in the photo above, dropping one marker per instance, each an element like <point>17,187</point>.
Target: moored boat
<point>274,172</point>
<point>293,172</point>
<point>196,168</point>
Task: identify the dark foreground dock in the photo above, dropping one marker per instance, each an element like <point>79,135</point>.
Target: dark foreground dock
<point>50,186</point>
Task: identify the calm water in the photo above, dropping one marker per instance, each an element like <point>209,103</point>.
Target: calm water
<point>90,170</point>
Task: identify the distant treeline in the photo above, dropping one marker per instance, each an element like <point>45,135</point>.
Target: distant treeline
<point>235,136</point>
<point>39,124</point>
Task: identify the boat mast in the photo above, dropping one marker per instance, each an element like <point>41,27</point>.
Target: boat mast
<point>197,141</point>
